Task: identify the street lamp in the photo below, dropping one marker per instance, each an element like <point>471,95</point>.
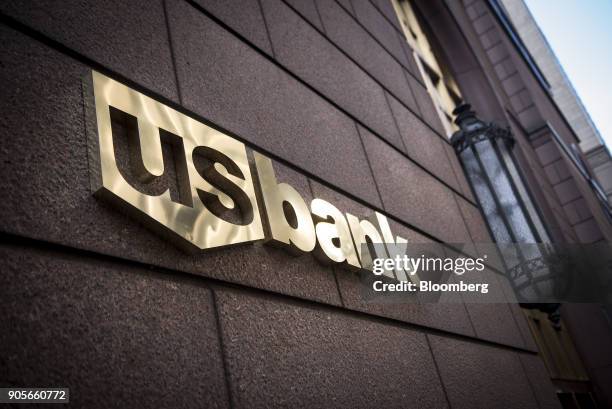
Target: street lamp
<point>484,150</point>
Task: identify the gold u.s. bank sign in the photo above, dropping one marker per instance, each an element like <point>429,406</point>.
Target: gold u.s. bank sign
<point>218,202</point>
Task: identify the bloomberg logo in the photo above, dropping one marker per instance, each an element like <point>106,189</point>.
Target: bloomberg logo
<point>200,188</point>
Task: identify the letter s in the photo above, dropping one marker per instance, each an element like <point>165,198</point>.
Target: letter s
<point>204,159</point>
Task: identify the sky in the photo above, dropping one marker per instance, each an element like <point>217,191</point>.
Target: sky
<point>580,34</point>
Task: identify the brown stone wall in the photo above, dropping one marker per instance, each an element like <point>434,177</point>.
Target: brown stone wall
<point>94,301</point>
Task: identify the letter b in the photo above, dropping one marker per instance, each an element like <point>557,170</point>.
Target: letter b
<point>289,219</point>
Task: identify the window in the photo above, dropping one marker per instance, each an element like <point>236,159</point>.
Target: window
<point>438,80</point>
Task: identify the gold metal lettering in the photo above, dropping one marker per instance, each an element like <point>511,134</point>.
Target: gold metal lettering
<point>333,234</point>
<point>217,203</point>
<point>298,233</point>
<point>224,181</point>
<point>362,230</point>
<point>395,247</point>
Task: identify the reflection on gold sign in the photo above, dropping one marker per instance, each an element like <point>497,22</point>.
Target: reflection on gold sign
<point>222,182</point>
<point>195,185</point>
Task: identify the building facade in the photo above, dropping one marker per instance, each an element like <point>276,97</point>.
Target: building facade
<point>562,91</point>
<point>352,101</point>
